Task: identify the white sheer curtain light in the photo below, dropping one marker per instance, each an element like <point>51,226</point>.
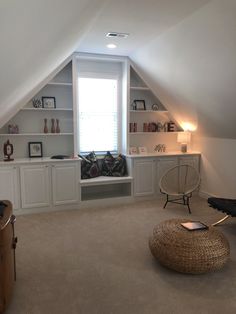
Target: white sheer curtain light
<point>98,114</point>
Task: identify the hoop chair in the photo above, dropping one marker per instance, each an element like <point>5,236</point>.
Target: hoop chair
<point>179,182</point>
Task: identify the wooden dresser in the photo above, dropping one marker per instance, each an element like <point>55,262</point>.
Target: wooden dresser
<point>7,255</point>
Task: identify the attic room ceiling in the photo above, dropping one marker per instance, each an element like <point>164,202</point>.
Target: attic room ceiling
<point>36,37</point>
<point>185,50</point>
<point>143,20</point>
<point>192,68</point>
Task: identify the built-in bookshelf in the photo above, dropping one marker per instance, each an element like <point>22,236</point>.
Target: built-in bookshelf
<point>30,121</point>
<point>149,121</point>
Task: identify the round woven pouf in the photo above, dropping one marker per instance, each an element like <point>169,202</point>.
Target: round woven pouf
<point>185,251</point>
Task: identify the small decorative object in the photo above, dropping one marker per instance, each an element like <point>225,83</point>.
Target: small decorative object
<point>35,149</point>
<point>160,127</point>
<point>160,148</point>
<point>132,127</point>
<point>49,102</point>
<point>165,127</point>
<point>45,130</point>
<point>13,129</point>
<point>153,127</point>
<point>37,103</point>
<point>184,138</point>
<point>8,151</point>
<point>170,126</point>
<point>139,104</point>
<point>57,127</point>
<point>145,127</point>
<point>133,106</point>
<point>142,150</point>
<point>133,150</point>
<point>155,107</point>
<point>53,130</point>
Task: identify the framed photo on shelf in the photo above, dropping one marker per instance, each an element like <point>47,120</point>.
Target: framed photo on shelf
<point>142,150</point>
<point>139,104</point>
<point>133,150</point>
<point>35,149</point>
<point>49,102</point>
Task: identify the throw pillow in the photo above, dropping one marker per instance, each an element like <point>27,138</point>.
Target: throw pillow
<point>114,166</point>
<point>89,166</point>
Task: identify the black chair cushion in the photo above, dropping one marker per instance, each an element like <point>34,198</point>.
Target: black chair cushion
<point>225,205</point>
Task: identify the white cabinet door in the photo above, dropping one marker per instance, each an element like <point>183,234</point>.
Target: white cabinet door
<point>65,183</point>
<point>163,165</point>
<point>35,186</point>
<point>9,185</point>
<point>190,160</point>
<point>144,177</point>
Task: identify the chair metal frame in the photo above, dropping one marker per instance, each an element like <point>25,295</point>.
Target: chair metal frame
<point>225,205</point>
<point>184,200</point>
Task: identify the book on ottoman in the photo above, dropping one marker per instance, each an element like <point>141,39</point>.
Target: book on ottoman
<point>194,225</point>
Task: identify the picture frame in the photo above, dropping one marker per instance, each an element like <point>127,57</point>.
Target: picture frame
<point>35,149</point>
<point>142,150</point>
<point>133,150</point>
<point>139,104</point>
<point>48,102</point>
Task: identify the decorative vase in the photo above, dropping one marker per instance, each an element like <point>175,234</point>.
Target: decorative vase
<point>45,130</point>
<point>57,127</point>
<point>53,130</point>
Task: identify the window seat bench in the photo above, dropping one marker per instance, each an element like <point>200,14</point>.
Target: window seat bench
<point>103,187</point>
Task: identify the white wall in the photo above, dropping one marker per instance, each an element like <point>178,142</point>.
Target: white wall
<point>218,166</point>
<point>36,37</point>
<point>192,68</point>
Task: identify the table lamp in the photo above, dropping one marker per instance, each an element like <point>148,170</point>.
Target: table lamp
<point>184,138</point>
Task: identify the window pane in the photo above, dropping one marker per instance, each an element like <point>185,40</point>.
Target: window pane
<point>98,114</point>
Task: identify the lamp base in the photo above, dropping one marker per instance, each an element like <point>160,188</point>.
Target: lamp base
<point>184,148</point>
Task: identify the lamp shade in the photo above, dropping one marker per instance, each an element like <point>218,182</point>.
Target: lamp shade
<point>184,137</point>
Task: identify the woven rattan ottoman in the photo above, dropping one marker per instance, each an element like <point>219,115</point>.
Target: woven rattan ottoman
<point>185,251</point>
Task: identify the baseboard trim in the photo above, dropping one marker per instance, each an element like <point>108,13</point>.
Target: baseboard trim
<point>38,210</point>
<point>204,194</point>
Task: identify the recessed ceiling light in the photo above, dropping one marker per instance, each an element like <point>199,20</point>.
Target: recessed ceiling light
<point>111,46</point>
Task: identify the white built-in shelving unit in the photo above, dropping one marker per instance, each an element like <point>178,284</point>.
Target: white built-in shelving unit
<point>46,109</point>
<point>30,120</point>
<point>63,86</point>
<point>139,90</point>
<point>46,183</point>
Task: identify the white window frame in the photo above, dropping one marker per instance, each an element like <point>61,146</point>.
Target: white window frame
<point>103,75</point>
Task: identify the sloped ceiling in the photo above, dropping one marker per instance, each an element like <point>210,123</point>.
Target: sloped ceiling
<point>192,67</point>
<point>143,20</point>
<point>185,50</point>
<point>36,36</point>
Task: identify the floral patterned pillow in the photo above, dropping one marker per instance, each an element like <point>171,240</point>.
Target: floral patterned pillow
<point>89,166</point>
<point>114,166</point>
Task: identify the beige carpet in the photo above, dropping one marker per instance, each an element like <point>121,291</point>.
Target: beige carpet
<point>98,261</point>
